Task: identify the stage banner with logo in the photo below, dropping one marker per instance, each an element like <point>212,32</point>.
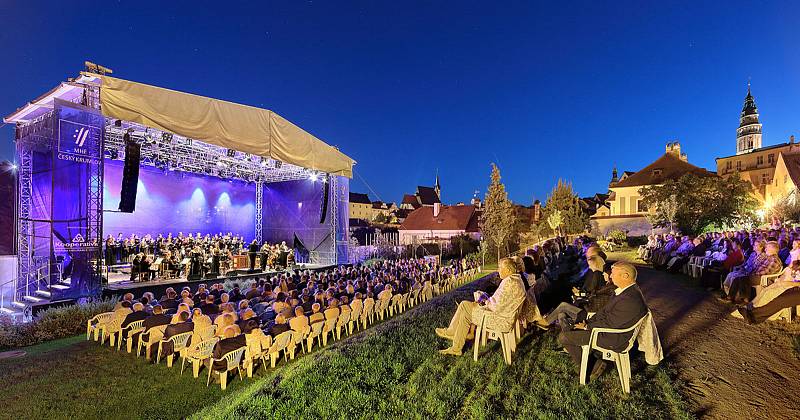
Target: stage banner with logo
<point>77,202</point>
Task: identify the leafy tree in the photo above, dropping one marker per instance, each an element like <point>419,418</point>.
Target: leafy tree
<point>554,220</point>
<point>380,218</point>
<point>497,224</point>
<point>665,211</point>
<point>784,209</point>
<point>564,200</point>
<point>700,201</point>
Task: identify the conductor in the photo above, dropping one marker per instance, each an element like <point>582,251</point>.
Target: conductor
<point>252,252</point>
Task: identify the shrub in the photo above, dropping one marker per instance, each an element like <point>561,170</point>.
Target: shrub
<point>51,324</point>
<point>635,241</point>
<point>617,236</point>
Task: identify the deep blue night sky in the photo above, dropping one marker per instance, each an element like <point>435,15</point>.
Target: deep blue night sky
<point>404,88</point>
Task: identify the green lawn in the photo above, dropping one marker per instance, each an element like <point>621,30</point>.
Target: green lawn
<point>388,371</point>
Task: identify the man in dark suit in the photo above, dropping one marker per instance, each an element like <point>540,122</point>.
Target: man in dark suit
<point>184,325</point>
<point>208,307</point>
<point>232,340</point>
<point>248,321</point>
<point>158,319</point>
<point>252,253</point>
<point>276,328</point>
<point>622,311</point>
<point>138,314</point>
<point>170,303</point>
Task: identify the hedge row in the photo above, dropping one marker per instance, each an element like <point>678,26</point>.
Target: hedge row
<point>51,324</point>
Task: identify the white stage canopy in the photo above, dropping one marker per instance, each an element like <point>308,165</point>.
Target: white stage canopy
<point>244,128</point>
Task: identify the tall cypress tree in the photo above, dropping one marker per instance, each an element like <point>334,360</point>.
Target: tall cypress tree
<point>498,219</point>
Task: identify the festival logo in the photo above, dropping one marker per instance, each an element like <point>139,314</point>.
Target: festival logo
<point>78,142</point>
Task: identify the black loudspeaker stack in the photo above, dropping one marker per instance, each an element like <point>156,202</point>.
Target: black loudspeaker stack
<point>325,192</point>
<point>130,175</point>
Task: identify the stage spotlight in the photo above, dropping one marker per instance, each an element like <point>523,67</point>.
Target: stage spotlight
<point>166,137</point>
<point>231,153</point>
<point>118,123</point>
<point>114,154</point>
<point>278,164</point>
<point>13,167</point>
<point>263,161</point>
<point>313,177</point>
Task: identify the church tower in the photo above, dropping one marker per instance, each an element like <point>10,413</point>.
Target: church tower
<point>748,135</point>
<point>437,187</point>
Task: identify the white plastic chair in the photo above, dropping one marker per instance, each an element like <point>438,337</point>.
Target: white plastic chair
<point>316,332</point>
<point>280,343</point>
<point>507,338</point>
<point>233,360</point>
<point>621,358</point>
<point>341,322</point>
<point>96,323</point>
<point>355,319</point>
<point>179,342</point>
<point>154,336</point>
<point>197,354</point>
<point>134,327</point>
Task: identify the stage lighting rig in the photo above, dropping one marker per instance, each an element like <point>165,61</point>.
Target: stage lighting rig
<point>231,153</point>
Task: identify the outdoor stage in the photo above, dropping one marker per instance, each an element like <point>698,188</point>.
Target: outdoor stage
<point>99,156</point>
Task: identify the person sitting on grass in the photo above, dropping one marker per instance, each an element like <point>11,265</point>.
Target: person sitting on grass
<point>623,310</point>
<point>502,305</point>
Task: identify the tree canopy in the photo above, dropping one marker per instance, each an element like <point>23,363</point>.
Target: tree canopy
<point>562,199</point>
<point>499,218</point>
<point>701,201</point>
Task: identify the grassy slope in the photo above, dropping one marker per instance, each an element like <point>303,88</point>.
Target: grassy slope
<point>394,371</point>
<point>390,370</point>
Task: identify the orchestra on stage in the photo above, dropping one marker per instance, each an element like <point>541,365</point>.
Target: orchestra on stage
<point>193,256</point>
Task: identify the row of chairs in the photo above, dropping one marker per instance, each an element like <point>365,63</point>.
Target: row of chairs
<point>697,265</point>
<point>196,347</point>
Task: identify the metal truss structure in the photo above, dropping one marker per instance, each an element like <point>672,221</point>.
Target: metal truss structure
<point>34,136</point>
<point>259,211</point>
<point>171,152</point>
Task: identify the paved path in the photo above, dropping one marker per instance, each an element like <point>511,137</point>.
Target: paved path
<point>732,370</point>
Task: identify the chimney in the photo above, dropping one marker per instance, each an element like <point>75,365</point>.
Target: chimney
<point>791,139</point>
<point>674,149</point>
<point>436,208</point>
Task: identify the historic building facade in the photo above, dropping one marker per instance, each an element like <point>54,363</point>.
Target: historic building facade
<point>753,162</point>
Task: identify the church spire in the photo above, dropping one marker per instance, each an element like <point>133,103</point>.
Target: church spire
<point>748,135</point>
<point>436,186</point>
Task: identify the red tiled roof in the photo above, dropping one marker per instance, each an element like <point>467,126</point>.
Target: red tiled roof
<point>450,218</point>
<point>411,199</point>
<point>668,166</point>
<point>427,195</point>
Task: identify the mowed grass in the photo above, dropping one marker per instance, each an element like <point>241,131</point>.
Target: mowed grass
<point>391,370</point>
<point>395,371</point>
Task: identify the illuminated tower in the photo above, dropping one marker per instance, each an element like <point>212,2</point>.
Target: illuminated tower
<point>748,135</point>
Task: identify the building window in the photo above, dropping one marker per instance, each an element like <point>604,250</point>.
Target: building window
<point>760,160</point>
<point>729,165</point>
<point>738,165</point>
<point>771,158</point>
<point>764,179</point>
<point>656,172</point>
<point>641,207</point>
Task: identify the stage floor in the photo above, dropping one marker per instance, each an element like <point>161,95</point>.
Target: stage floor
<point>120,280</point>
